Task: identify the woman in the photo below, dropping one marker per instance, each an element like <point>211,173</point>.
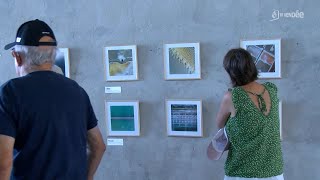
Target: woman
<point>249,112</point>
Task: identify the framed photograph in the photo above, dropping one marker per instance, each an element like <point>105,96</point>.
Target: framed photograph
<point>121,63</point>
<point>184,118</point>
<point>182,61</point>
<point>280,118</point>
<point>266,54</point>
<point>62,62</point>
<point>123,118</point>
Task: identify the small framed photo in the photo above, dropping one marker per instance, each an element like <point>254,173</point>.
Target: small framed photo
<point>184,118</point>
<point>182,61</point>
<point>123,118</point>
<point>266,54</point>
<point>62,62</point>
<point>280,118</point>
<point>121,63</point>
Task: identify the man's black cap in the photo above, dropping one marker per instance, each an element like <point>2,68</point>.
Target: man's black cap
<point>29,34</point>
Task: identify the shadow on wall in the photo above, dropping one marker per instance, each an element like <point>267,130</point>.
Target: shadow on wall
<point>292,116</point>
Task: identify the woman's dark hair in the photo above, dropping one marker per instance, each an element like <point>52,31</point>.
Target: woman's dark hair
<point>240,67</point>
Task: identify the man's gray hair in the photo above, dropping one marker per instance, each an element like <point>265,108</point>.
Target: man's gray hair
<point>36,56</point>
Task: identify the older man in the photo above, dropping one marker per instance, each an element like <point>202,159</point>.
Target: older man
<point>47,118</point>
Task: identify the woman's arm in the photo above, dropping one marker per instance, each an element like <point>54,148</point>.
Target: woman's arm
<point>226,108</point>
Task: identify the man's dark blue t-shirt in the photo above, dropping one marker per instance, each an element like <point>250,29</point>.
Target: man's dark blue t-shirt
<point>49,116</point>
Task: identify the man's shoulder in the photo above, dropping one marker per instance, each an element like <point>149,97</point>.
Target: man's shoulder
<point>9,85</point>
<point>69,84</point>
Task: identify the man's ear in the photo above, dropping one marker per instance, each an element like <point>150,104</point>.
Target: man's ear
<point>17,58</point>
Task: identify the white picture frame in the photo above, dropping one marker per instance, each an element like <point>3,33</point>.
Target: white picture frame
<point>123,118</point>
<point>121,63</point>
<point>182,61</point>
<point>280,119</point>
<point>184,118</point>
<point>266,55</point>
<point>62,62</point>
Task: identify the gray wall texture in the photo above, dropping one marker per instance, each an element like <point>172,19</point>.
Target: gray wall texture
<point>87,26</point>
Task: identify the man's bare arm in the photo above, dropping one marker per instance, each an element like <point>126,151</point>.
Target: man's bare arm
<point>96,149</point>
<point>6,156</point>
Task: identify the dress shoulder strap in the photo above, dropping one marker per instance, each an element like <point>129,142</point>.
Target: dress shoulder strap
<point>271,86</point>
<point>273,91</point>
<point>237,97</point>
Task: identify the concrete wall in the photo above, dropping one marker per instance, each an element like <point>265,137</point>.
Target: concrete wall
<point>87,26</point>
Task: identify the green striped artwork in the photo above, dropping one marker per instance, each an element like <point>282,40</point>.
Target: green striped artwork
<point>122,118</point>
